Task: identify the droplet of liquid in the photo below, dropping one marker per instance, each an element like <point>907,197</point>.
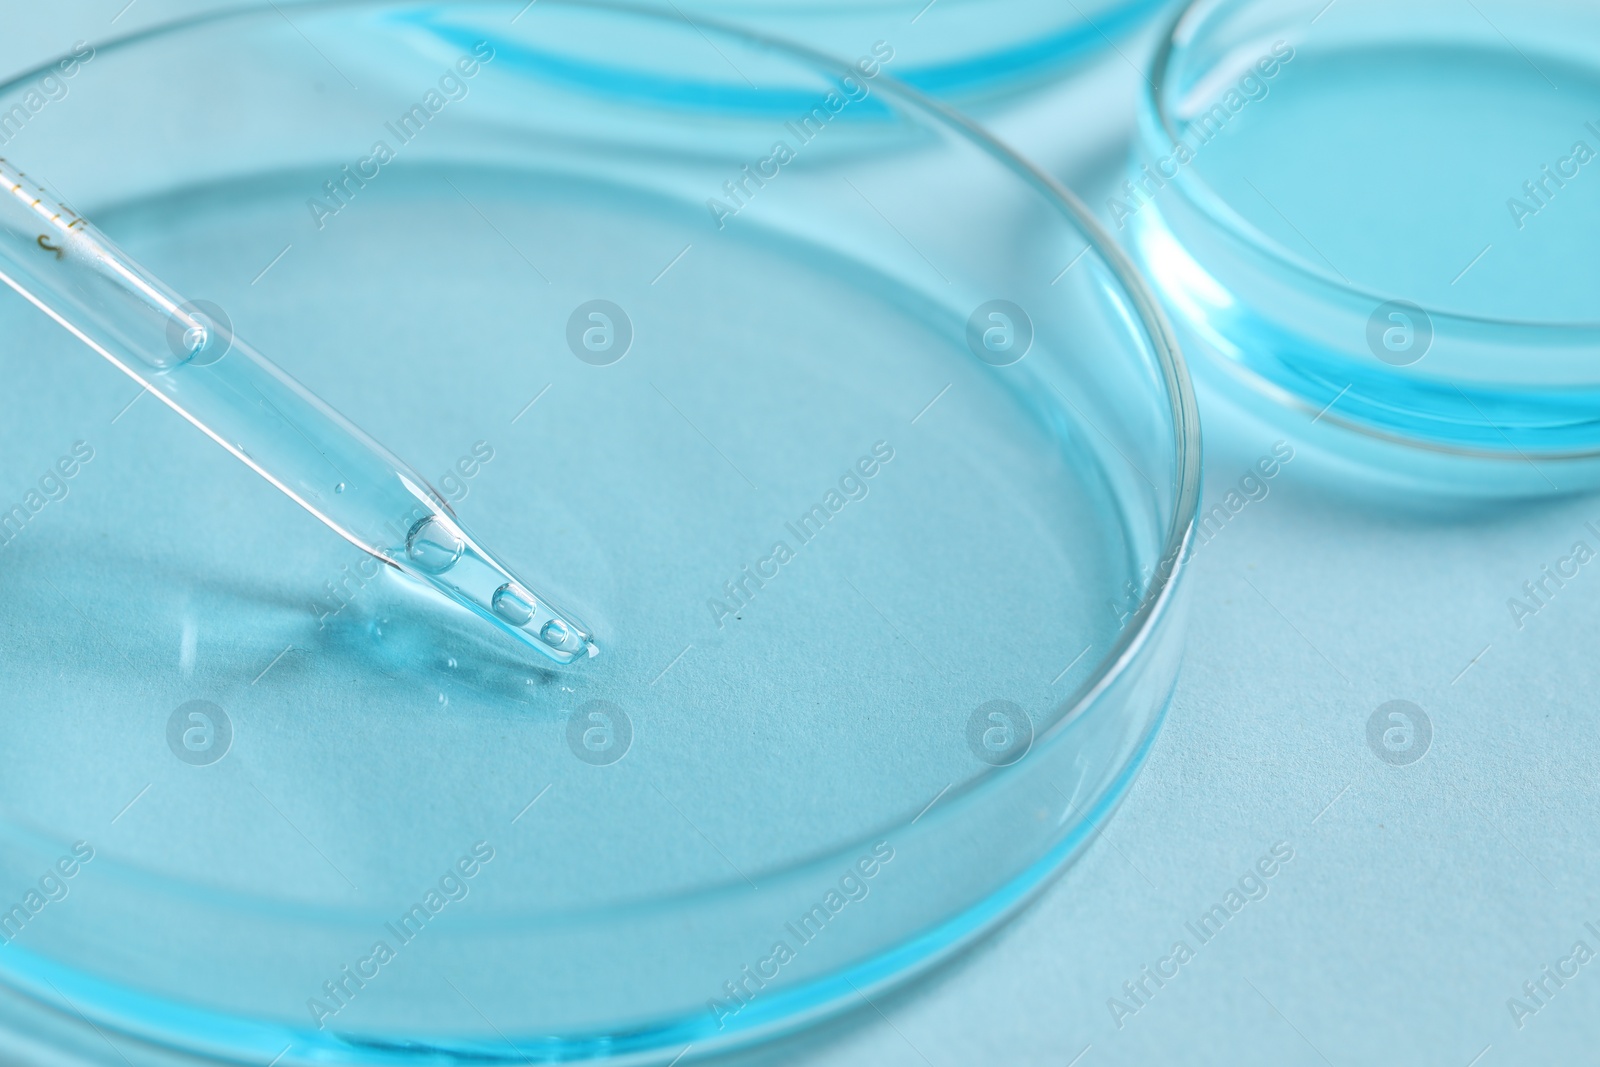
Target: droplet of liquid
<point>556,634</point>
<point>513,604</point>
<point>451,662</point>
<point>339,488</point>
<point>433,546</point>
<point>444,701</point>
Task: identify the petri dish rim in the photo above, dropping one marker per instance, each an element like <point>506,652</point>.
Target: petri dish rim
<point>1156,116</point>
<point>1154,604</point>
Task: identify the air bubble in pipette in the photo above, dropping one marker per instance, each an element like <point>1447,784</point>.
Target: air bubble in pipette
<point>513,604</point>
<point>433,547</point>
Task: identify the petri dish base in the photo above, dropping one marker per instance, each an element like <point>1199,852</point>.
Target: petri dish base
<point>876,520</point>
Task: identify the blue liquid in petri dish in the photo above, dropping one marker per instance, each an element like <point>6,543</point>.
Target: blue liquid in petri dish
<point>947,674</point>
<point>1392,216</point>
<point>1396,167</point>
<point>966,51</point>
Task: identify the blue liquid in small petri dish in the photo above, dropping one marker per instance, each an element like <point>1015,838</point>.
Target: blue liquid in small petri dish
<point>867,458</point>
<point>1383,218</point>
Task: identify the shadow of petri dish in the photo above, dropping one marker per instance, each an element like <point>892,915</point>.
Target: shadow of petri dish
<point>879,517</point>
<point>1376,222</point>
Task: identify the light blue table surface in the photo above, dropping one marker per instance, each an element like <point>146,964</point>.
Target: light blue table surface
<point>1419,898</point>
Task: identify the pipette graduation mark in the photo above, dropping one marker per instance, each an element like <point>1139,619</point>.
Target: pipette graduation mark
<point>188,357</point>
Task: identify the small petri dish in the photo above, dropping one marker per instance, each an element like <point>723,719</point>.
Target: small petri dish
<point>966,51</point>
<point>1380,218</point>
<point>867,458</point>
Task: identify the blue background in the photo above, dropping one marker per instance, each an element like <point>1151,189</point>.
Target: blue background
<point>1419,898</point>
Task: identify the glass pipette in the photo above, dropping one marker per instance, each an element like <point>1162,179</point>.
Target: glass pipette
<point>252,408</point>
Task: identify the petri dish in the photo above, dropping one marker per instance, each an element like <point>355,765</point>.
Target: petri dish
<point>1377,218</point>
<point>870,463</point>
<point>966,51</point>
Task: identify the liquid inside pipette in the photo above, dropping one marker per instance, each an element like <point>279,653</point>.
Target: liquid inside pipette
<point>193,362</point>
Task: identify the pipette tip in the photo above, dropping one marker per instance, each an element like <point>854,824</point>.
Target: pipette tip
<point>444,556</point>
